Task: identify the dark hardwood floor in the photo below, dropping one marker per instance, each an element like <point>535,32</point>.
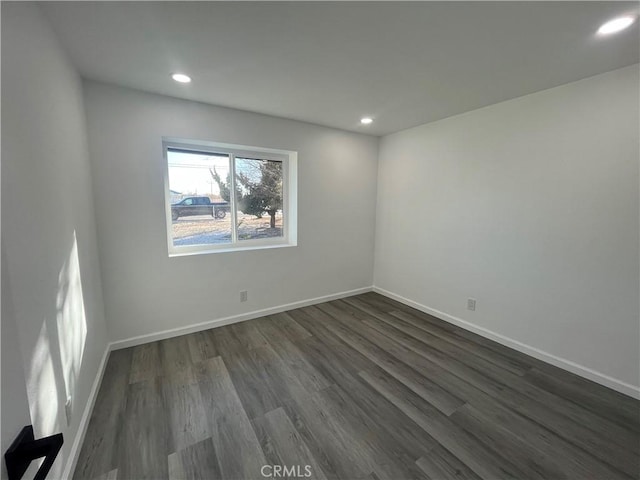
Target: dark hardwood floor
<point>360,388</point>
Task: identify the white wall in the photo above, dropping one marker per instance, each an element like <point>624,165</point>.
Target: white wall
<point>530,206</point>
<point>14,402</point>
<point>50,275</point>
<point>145,291</point>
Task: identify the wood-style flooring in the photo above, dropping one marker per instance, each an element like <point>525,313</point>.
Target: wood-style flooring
<point>359,388</point>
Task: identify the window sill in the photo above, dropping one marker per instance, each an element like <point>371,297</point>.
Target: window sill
<point>230,249</point>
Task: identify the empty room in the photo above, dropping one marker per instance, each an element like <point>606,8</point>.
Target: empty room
<point>320,240</point>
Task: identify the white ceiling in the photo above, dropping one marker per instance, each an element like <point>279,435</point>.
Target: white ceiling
<point>330,63</point>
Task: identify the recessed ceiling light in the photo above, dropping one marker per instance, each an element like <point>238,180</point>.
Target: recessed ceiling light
<point>366,120</point>
<point>181,77</point>
<point>616,25</point>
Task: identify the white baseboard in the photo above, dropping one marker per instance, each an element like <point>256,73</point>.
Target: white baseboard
<point>554,360</point>
<point>176,332</point>
<point>86,416</point>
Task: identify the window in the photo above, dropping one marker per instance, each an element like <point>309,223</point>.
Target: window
<point>221,197</point>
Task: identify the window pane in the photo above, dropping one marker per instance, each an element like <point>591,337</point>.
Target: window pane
<point>259,198</point>
<point>198,184</point>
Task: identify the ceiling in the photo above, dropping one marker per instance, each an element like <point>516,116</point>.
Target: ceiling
<point>330,63</point>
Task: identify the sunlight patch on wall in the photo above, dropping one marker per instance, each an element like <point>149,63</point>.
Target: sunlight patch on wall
<point>41,387</point>
<point>71,318</point>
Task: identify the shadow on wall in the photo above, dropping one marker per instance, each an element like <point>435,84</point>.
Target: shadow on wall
<point>54,364</point>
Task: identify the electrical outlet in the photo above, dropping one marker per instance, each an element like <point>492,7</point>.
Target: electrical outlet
<point>471,304</point>
<point>243,296</point>
<point>67,410</point>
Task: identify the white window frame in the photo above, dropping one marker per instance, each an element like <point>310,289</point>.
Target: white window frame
<point>289,161</point>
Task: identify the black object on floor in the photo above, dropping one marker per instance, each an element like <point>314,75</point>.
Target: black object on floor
<point>25,448</point>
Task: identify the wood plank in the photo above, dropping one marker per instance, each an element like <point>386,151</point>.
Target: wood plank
<point>403,356</point>
<point>202,346</point>
<point>145,363</point>
<point>510,444</point>
<point>395,459</point>
<point>485,462</point>
<point>175,359</point>
<point>97,455</point>
<point>387,458</point>
<point>266,442</point>
<point>196,462</point>
<point>313,320</point>
<point>430,391</point>
<point>599,400</point>
<point>288,446</point>
<point>332,444</point>
<point>347,455</point>
<point>312,438</point>
<point>508,363</point>
<point>440,464</point>
<point>460,352</point>
<point>381,303</point>
<point>141,455</point>
<point>237,448</point>
<point>185,412</point>
<point>529,444</point>
<point>459,332</point>
<point>248,335</point>
<point>256,393</point>
<point>402,431</point>
<point>273,370</point>
<point>308,376</point>
<point>112,475</point>
<point>332,361</point>
<point>292,329</point>
<point>225,341</point>
<point>281,326</point>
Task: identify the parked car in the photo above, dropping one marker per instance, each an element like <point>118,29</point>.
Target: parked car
<point>190,206</point>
